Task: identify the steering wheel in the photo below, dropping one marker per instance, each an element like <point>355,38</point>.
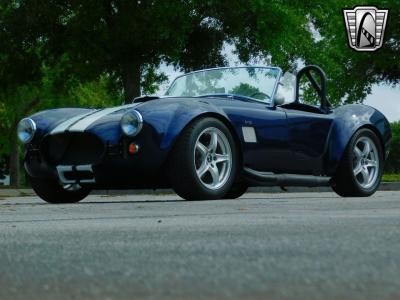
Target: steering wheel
<point>264,95</point>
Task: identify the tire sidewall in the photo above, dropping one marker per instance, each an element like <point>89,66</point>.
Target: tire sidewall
<point>51,191</point>
<point>238,189</point>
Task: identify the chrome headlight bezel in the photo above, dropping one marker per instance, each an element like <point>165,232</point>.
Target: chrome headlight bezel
<point>26,130</point>
<point>131,123</point>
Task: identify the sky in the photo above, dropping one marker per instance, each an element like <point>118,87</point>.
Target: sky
<point>386,100</point>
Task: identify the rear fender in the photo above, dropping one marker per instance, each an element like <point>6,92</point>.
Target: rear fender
<point>348,120</point>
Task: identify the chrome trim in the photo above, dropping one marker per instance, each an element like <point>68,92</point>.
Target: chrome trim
<point>61,169</point>
<point>140,120</point>
<point>260,178</point>
<point>33,125</point>
<point>278,80</point>
<point>86,168</point>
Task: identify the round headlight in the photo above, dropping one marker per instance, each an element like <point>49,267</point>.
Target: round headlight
<point>131,123</point>
<point>26,130</point>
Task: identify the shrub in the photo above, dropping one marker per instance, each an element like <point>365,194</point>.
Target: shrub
<point>393,162</point>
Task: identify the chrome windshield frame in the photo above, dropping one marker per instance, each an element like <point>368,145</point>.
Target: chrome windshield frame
<point>278,78</point>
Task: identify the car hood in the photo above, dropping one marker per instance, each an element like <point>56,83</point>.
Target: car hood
<point>56,121</point>
<point>105,123</point>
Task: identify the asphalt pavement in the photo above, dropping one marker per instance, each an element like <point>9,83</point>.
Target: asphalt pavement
<point>261,246</point>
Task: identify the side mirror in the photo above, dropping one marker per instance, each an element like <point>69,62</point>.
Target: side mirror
<point>279,99</point>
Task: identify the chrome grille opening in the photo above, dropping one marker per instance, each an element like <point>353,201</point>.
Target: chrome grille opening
<point>72,149</point>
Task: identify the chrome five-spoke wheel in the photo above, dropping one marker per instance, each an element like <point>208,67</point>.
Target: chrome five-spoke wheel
<point>203,165</point>
<point>365,162</point>
<point>212,158</point>
<point>360,170</point>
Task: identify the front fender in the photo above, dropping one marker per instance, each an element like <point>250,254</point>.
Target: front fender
<point>348,120</point>
<point>169,118</point>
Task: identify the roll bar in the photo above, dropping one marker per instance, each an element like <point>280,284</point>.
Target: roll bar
<point>321,90</point>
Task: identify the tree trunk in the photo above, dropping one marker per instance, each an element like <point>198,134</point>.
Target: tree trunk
<point>131,81</point>
<point>14,162</point>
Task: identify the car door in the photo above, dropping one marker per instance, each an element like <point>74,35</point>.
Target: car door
<point>308,139</point>
<point>264,133</point>
<point>309,124</point>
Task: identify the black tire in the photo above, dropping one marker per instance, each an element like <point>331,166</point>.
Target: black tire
<point>181,163</point>
<point>345,182</point>
<point>236,191</point>
<point>51,191</point>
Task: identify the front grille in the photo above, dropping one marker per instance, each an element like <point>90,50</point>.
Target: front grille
<point>72,149</point>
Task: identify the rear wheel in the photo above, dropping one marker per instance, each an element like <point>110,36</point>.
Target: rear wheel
<point>203,162</point>
<point>360,170</point>
<point>52,191</point>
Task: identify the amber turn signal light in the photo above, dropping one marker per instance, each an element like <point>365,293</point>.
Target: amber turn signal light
<point>133,148</point>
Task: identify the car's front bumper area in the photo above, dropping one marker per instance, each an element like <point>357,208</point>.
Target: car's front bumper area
<point>89,161</point>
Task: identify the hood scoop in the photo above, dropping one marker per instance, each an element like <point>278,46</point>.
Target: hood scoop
<point>144,99</point>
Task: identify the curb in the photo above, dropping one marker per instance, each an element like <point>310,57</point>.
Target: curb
<point>385,186</point>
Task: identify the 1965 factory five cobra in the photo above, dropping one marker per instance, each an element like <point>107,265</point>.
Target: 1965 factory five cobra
<point>215,133</point>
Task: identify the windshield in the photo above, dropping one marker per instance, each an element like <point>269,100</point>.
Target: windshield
<point>254,82</point>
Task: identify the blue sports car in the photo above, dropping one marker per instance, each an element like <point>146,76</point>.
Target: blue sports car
<point>215,133</point>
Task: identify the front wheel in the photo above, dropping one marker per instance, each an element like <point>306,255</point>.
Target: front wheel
<point>203,162</point>
<point>52,191</point>
<point>237,190</point>
<point>360,171</point>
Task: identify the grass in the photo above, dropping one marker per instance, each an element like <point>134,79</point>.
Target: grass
<point>391,177</point>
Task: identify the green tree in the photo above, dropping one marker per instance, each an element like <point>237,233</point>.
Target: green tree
<point>125,39</point>
<point>51,49</point>
<point>129,39</point>
<point>245,89</point>
<point>351,74</point>
<point>393,163</point>
<point>41,95</point>
<point>20,68</point>
<point>27,81</point>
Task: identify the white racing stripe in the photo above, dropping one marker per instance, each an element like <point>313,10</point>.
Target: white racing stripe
<point>81,122</point>
<point>64,125</point>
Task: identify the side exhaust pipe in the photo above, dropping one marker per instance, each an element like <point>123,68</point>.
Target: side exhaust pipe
<point>258,178</point>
